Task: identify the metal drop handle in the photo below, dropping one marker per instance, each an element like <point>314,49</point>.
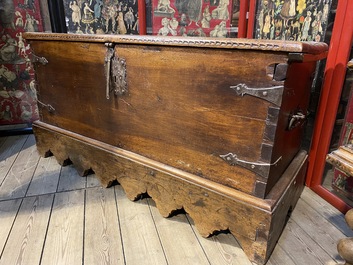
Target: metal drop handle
<point>296,120</point>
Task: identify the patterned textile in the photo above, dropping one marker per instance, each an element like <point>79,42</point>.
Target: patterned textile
<point>17,86</point>
<point>102,16</point>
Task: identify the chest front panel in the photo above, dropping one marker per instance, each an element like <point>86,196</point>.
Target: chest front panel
<point>181,106</point>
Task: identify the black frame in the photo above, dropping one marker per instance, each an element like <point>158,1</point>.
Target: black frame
<point>57,16</point>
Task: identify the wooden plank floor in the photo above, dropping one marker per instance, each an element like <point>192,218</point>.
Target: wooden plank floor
<point>50,215</point>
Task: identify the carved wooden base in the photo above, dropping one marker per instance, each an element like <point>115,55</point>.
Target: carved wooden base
<point>256,223</point>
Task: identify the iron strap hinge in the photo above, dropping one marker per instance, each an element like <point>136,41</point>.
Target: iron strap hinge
<point>259,168</point>
<point>271,94</point>
<point>36,59</point>
<point>49,107</point>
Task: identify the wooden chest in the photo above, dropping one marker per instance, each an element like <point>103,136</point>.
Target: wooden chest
<point>176,117</point>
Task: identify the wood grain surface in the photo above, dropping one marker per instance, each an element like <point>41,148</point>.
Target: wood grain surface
<point>227,43</point>
<point>41,183</point>
<point>64,239</point>
<point>102,244</point>
<point>139,232</point>
<point>11,146</point>
<point>177,100</point>
<point>28,232</point>
<point>8,213</point>
<point>22,171</point>
<point>257,235</point>
<point>221,249</point>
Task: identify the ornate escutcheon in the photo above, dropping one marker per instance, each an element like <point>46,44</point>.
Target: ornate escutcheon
<point>271,94</point>
<point>118,73</point>
<point>259,168</point>
<point>115,72</point>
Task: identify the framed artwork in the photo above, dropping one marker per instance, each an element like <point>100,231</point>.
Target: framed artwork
<point>102,16</point>
<point>18,100</point>
<point>198,18</point>
<point>298,20</point>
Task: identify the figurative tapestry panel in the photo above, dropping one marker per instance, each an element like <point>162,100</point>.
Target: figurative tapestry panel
<point>18,101</point>
<point>102,16</point>
<point>342,184</point>
<point>198,18</point>
<point>299,20</point>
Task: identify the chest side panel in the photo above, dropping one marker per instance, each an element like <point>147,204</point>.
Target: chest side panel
<point>295,101</point>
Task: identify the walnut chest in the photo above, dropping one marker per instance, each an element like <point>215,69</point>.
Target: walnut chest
<point>176,117</point>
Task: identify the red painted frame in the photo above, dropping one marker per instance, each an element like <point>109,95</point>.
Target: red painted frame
<point>142,17</point>
<point>243,13</point>
<point>251,19</point>
<point>247,14</point>
<point>338,56</point>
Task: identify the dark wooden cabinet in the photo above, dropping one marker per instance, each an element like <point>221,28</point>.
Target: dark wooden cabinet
<point>213,126</point>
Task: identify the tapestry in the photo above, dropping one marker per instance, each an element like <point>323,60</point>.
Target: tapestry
<point>102,16</point>
<point>298,20</point>
<point>197,18</point>
<point>343,184</point>
<point>18,100</point>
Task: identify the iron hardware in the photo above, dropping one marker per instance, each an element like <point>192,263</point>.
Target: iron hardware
<point>259,168</point>
<point>115,71</point>
<point>37,59</point>
<point>296,120</point>
<point>48,106</point>
<point>271,94</point>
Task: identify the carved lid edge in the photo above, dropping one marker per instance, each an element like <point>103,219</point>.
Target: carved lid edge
<point>225,43</point>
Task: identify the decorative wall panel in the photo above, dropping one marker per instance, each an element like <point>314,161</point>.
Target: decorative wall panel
<point>17,86</point>
<point>301,20</point>
<point>102,16</point>
<point>197,18</point>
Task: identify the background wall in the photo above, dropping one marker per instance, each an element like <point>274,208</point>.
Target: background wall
<point>17,85</point>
